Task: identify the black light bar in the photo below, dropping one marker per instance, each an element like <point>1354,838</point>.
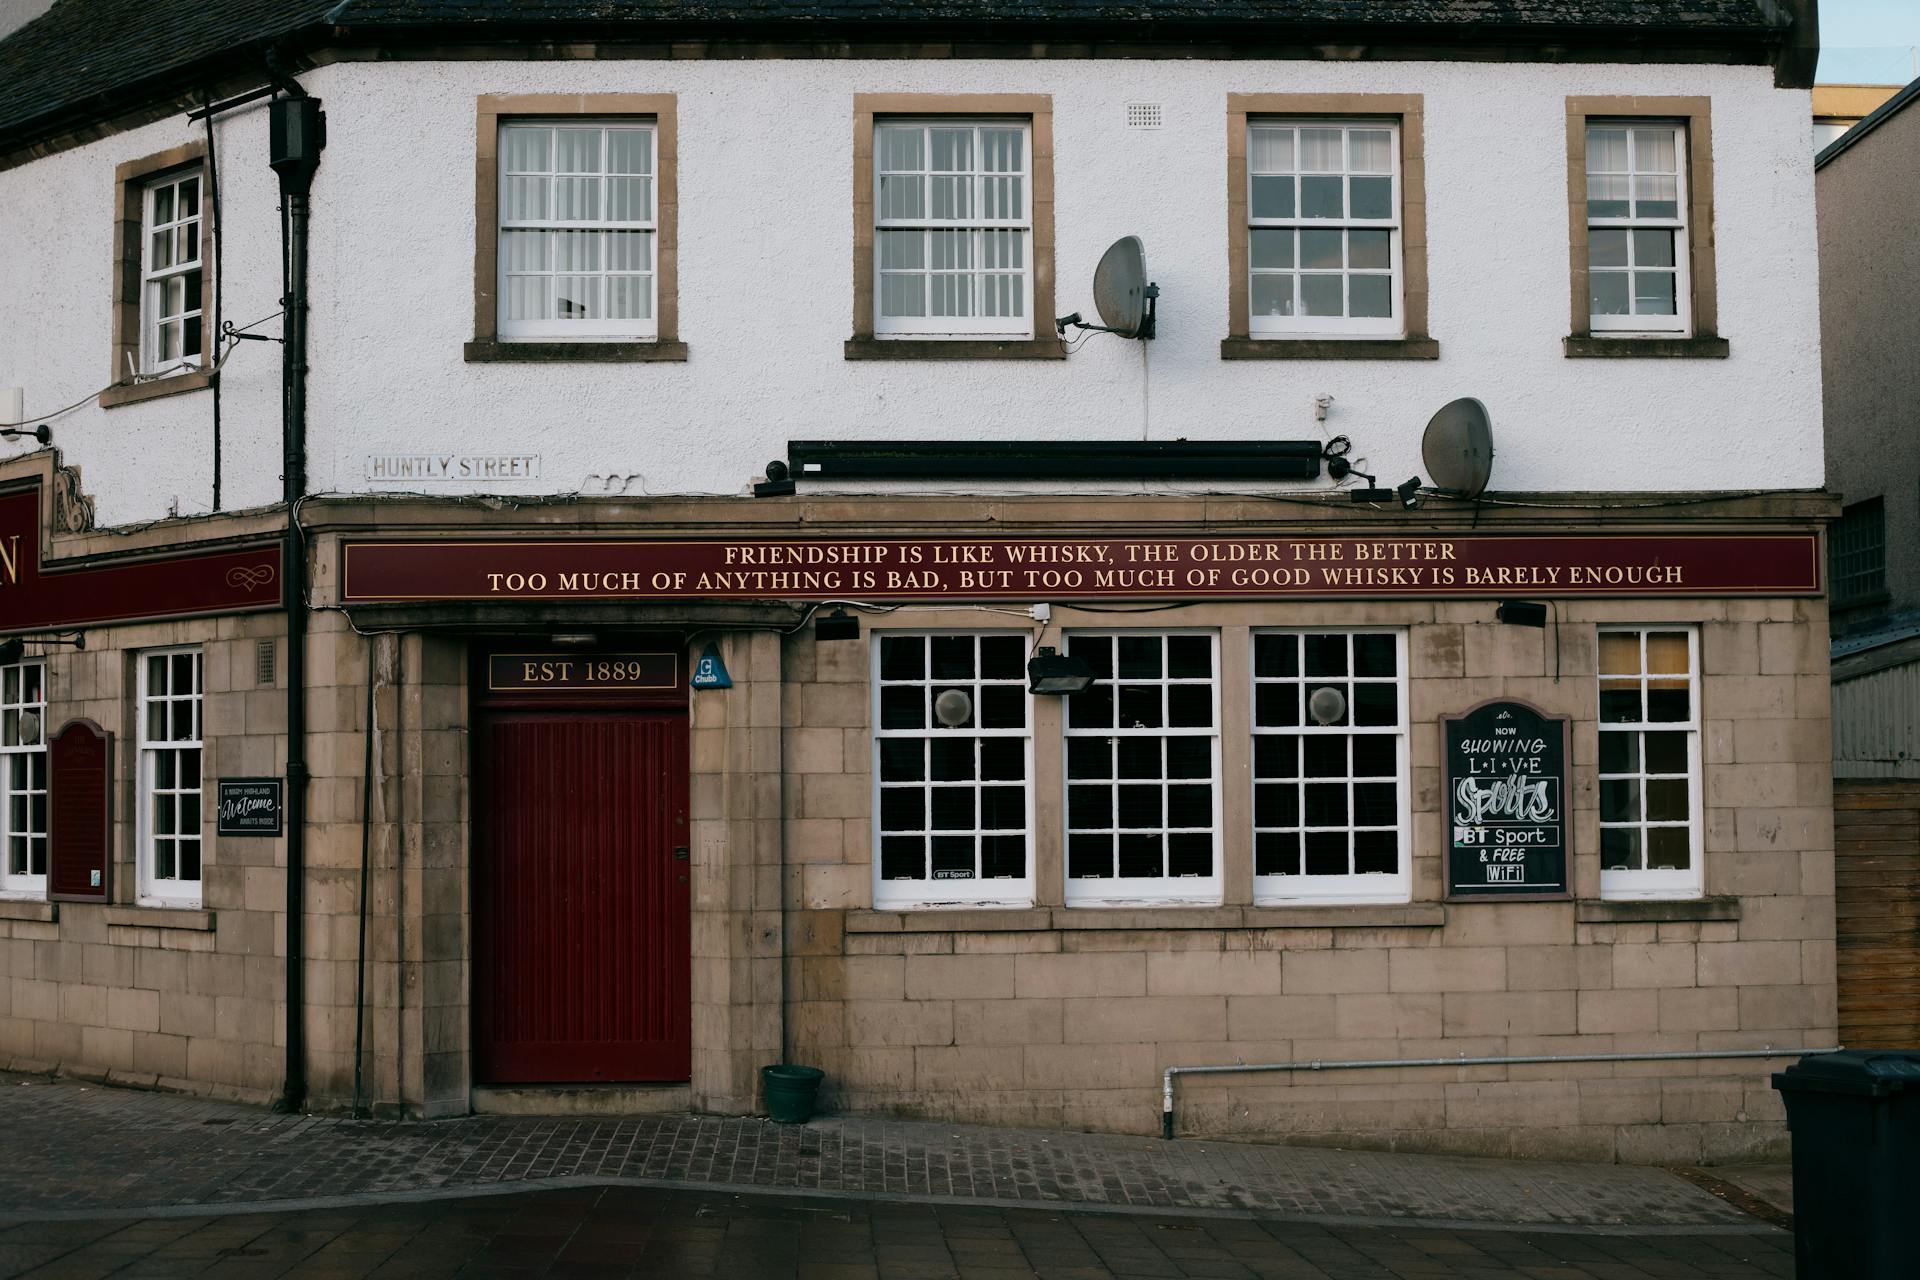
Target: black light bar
<point>1054,459</point>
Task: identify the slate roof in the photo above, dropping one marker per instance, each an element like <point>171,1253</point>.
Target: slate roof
<point>86,59</point>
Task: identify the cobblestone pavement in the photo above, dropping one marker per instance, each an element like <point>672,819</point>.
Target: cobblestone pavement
<point>658,1233</point>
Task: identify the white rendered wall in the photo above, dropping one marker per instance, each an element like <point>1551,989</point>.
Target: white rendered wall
<point>766,281</point>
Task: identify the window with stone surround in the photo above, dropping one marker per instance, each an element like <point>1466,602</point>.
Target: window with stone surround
<point>1637,277</point>
<point>1650,803</point>
<point>953,757</point>
<point>1857,554</point>
<point>168,822</point>
<point>23,778</point>
<point>1143,770</point>
<point>163,321</point>
<point>1331,794</point>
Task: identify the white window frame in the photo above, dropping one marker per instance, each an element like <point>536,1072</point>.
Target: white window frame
<point>1644,883</point>
<point>1162,891</point>
<point>1301,325</point>
<point>1371,887</point>
<point>172,891</point>
<point>1680,323</point>
<point>909,895</point>
<point>979,228</point>
<point>157,281</point>
<point>603,328</point>
<point>12,709</point>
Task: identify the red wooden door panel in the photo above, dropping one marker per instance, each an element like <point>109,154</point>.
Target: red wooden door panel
<point>581,928</point>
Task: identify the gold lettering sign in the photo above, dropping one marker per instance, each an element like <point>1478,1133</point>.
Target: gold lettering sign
<point>581,672</point>
<point>10,560</point>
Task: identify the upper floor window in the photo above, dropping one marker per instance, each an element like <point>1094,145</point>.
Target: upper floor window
<point>1323,228</point>
<point>1650,804</point>
<point>168,827</point>
<point>1637,242</point>
<point>1331,794</point>
<point>23,778</point>
<point>1143,770</point>
<point>953,228</point>
<point>1857,553</point>
<point>164,318</point>
<point>171,280</point>
<point>953,758</point>
<point>577,229</point>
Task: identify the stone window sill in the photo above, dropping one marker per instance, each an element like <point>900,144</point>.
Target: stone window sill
<point>1587,347</point>
<point>193,918</point>
<point>1422,915</point>
<point>35,909</point>
<point>172,386</point>
<point>955,349</point>
<point>1654,910</point>
<point>489,350</point>
<point>1416,347</point>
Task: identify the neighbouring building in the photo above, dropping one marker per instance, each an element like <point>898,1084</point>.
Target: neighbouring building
<point>1839,107</point>
<point>1869,214</point>
<point>733,622</point>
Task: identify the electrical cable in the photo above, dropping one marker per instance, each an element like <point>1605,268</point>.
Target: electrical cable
<point>182,367</point>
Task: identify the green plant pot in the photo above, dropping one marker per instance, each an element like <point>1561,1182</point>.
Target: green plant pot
<point>790,1092</point>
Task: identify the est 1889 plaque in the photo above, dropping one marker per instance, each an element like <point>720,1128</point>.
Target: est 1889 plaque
<point>1506,802</point>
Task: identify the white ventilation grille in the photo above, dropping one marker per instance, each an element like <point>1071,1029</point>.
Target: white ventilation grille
<point>1143,115</point>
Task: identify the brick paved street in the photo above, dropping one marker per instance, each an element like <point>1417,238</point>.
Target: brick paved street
<point>99,1181</point>
<point>75,1147</point>
<point>642,1232</point>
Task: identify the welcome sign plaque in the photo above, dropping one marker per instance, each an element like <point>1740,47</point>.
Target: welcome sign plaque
<point>1506,803</point>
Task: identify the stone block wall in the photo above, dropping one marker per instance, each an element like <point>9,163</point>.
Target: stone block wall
<point>1067,1017</point>
<point>161,996</point>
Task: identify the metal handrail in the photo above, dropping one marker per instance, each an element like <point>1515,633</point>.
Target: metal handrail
<point>1502,1060</point>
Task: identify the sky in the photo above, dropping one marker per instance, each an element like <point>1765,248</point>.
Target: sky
<point>1868,41</point>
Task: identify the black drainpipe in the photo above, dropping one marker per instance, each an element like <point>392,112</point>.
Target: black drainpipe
<point>297,132</point>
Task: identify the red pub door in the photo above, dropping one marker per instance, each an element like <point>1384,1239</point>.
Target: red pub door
<point>581,896</point>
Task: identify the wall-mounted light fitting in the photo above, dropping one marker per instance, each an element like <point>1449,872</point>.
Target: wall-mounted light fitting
<point>838,625</point>
<point>1522,613</point>
<point>1050,671</point>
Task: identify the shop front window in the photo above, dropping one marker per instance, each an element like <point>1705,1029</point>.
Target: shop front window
<point>1650,808</point>
<point>1143,770</point>
<point>23,779</point>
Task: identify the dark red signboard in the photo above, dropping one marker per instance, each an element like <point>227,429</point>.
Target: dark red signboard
<point>166,585</point>
<point>80,817</point>
<point>1261,566</point>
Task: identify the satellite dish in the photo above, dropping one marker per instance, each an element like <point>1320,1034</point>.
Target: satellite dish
<point>1458,448</point>
<point>1121,292</point>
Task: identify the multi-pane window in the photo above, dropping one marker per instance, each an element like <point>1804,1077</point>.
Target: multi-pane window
<point>1857,552</point>
<point>1637,227</point>
<point>23,777</point>
<point>953,227</point>
<point>1649,762</point>
<point>1143,770</point>
<point>170,272</point>
<point>1323,234</point>
<point>1330,784</point>
<point>577,230</point>
<point>169,817</point>
<point>952,761</point>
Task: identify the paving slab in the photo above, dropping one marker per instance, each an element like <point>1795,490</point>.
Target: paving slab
<point>661,1232</point>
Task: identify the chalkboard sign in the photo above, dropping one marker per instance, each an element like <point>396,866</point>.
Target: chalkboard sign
<point>80,773</point>
<point>1506,803</point>
<point>248,807</point>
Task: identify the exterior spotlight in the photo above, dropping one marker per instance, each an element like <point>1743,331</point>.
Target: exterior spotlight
<point>1409,494</point>
<point>10,650</point>
<point>40,433</point>
<point>778,484</point>
<point>573,640</point>
<point>1370,494</point>
<point>1050,671</point>
<point>1522,613</point>
<point>838,625</point>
